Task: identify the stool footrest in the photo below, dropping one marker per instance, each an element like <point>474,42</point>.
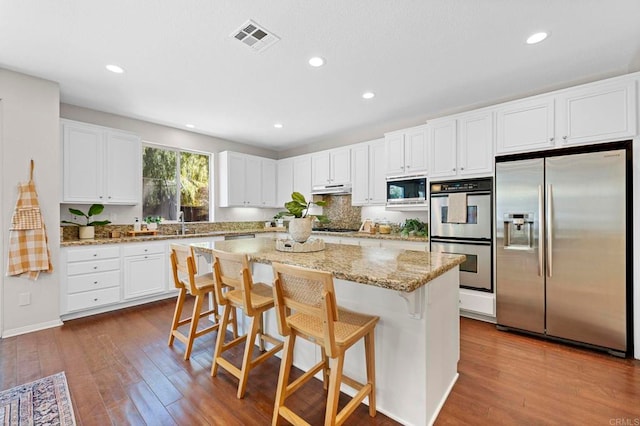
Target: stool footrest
<point>292,417</point>
<point>293,386</point>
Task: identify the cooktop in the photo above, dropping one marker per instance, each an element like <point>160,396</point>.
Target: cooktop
<point>334,229</point>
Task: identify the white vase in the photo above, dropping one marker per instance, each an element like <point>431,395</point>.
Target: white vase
<point>300,229</point>
<point>87,232</point>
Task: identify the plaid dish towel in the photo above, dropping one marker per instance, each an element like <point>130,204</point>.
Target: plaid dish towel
<point>28,250</point>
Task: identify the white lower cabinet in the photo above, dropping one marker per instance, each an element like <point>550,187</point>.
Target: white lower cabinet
<point>143,270</point>
<point>103,278</point>
<point>92,278</point>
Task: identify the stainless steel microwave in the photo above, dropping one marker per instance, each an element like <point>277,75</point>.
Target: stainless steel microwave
<point>407,191</point>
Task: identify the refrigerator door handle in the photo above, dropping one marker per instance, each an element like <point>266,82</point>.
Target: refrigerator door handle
<point>549,227</point>
<point>540,231</point>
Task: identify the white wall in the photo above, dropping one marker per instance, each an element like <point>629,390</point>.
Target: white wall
<point>172,137</point>
<point>30,130</point>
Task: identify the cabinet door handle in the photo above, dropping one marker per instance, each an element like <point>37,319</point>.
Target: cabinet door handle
<point>564,137</point>
<point>95,254</point>
<point>461,168</point>
<point>95,267</point>
<point>95,282</point>
<point>95,299</point>
<point>551,140</point>
<point>408,166</point>
<point>453,170</point>
<point>109,197</point>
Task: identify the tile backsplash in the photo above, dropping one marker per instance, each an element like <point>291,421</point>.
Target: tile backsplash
<point>341,213</point>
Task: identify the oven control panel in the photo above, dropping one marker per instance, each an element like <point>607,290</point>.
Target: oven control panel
<point>469,185</point>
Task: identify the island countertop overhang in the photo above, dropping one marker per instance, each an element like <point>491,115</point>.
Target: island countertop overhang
<point>394,269</point>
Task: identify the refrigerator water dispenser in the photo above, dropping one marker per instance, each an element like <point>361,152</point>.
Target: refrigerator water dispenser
<point>518,231</point>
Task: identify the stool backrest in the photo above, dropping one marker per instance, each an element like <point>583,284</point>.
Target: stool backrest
<point>183,267</point>
<point>231,270</point>
<point>307,291</point>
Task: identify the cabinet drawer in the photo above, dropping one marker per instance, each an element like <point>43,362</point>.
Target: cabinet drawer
<point>93,254</point>
<point>92,267</point>
<point>92,299</point>
<point>138,250</point>
<point>88,282</point>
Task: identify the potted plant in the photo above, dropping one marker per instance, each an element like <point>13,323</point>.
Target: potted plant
<point>152,222</point>
<point>414,227</point>
<point>300,225</point>
<point>87,230</point>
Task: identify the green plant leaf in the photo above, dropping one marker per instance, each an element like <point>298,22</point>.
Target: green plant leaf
<point>77,212</point>
<point>70,223</point>
<point>320,203</point>
<point>99,223</point>
<point>296,196</point>
<point>294,208</point>
<point>95,209</point>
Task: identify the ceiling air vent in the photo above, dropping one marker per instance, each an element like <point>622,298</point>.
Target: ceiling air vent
<point>255,36</point>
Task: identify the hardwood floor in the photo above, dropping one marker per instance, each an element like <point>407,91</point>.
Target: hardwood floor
<point>121,371</point>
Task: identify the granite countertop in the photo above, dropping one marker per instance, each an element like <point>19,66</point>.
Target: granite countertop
<point>395,269</point>
<point>377,236</point>
<point>146,238</point>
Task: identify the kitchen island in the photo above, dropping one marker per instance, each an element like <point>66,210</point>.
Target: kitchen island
<point>415,294</point>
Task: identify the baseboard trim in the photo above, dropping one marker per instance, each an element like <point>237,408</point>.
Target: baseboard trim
<point>477,316</point>
<point>31,328</point>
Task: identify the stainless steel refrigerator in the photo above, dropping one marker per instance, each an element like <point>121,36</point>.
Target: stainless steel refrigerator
<point>562,247</point>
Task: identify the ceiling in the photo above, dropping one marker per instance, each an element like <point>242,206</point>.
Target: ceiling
<point>422,59</point>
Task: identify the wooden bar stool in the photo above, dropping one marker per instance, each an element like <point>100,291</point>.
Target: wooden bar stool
<point>184,268</point>
<point>306,307</point>
<point>232,270</point>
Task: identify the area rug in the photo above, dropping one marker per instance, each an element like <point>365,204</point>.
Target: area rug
<point>43,402</point>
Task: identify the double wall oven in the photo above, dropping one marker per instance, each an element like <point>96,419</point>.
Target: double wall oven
<point>461,223</point>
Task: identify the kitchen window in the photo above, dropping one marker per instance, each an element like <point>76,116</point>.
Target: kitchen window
<point>174,180</point>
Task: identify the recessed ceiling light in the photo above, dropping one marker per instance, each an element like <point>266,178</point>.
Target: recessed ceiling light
<point>536,38</point>
<point>368,95</point>
<point>278,126</point>
<point>190,126</point>
<point>316,61</point>
<point>115,68</point>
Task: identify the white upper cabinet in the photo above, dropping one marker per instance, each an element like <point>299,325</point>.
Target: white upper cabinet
<point>331,167</point>
<point>592,113</point>
<point>294,174</point>
<point>368,165</point>
<point>269,182</point>
<point>100,165</point>
<point>525,125</point>
<point>475,143</point>
<point>407,151</point>
<point>246,180</point>
<point>443,142</point>
<point>285,181</point>
<point>461,146</point>
<point>600,112</point>
<point>123,181</point>
<point>302,176</point>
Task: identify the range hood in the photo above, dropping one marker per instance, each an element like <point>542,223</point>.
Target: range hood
<point>332,189</point>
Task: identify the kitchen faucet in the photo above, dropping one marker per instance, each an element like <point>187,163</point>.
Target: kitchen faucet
<point>183,229</point>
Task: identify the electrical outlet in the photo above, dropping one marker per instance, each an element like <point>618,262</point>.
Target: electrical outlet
<point>24,299</point>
